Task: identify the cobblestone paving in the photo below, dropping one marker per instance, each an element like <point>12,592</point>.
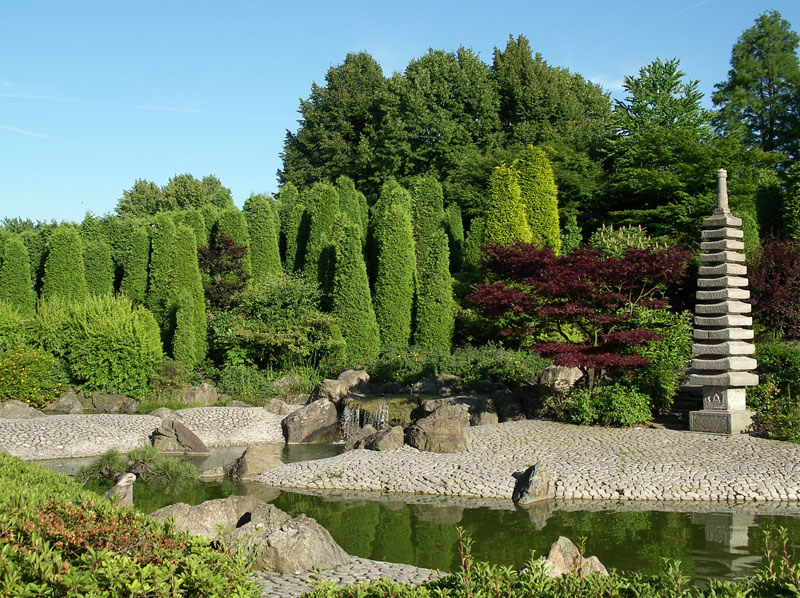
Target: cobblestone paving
<point>586,462</point>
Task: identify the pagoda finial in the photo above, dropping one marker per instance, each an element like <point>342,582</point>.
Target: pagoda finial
<point>722,191</point>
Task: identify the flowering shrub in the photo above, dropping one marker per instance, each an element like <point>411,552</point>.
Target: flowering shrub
<point>27,375</point>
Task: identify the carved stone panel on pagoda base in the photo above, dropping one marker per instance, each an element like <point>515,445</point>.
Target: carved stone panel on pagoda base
<point>723,422</point>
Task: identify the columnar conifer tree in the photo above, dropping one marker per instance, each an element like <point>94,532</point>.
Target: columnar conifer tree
<point>322,201</point>
<point>16,288</point>
<point>396,264</point>
<point>187,280</point>
<point>232,223</point>
<point>264,255</point>
<point>36,242</point>
<point>351,301</point>
<point>350,203</point>
<point>99,267</point>
<point>505,219</point>
<point>162,269</point>
<point>454,227</point>
<point>134,256</point>
<point>427,215</point>
<point>791,203</point>
<point>210,214</point>
<point>296,231</point>
<point>184,348</point>
<point>473,242</point>
<point>434,314</point>
<point>288,196</point>
<point>540,197</point>
<point>193,218</point>
<point>64,275</point>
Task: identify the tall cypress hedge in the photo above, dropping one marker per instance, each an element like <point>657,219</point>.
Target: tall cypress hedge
<point>210,214</point>
<point>540,195</point>
<point>187,281</point>
<point>231,223</point>
<point>184,347</point>
<point>98,267</point>
<point>505,221</point>
<point>322,203</point>
<point>64,275</point>
<point>296,230</point>
<point>16,288</point>
<point>427,215</point>
<point>162,269</point>
<point>36,242</point>
<point>193,218</point>
<point>791,204</point>
<point>395,264</point>
<point>473,242</point>
<point>454,227</point>
<point>353,203</point>
<point>351,301</point>
<point>435,318</point>
<point>288,196</point>
<point>133,259</point>
<point>264,254</point>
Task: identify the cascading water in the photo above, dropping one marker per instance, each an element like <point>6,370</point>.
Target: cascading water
<point>350,421</point>
<point>379,417</point>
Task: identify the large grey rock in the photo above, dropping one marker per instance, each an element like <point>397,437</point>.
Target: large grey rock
<point>356,437</point>
<point>331,390</point>
<point>316,422</point>
<point>206,518</point>
<point>165,413</point>
<point>509,407</point>
<point>559,377</point>
<point>112,403</point>
<point>356,380</point>
<point>14,409</point>
<point>436,435</point>
<point>436,385</point>
<point>384,440</point>
<point>533,485</point>
<point>66,403</point>
<point>277,407</point>
<point>256,459</point>
<point>564,557</point>
<point>203,395</point>
<point>456,411</point>
<point>122,488</point>
<point>173,436</point>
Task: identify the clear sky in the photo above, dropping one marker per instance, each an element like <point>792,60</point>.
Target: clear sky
<point>94,95</point>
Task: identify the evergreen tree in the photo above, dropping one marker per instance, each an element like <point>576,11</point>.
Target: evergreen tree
<point>187,280</point>
<point>64,275</point>
<point>36,242</point>
<point>354,204</point>
<point>539,195</point>
<point>791,204</point>
<point>454,227</point>
<point>184,191</point>
<point>288,197</point>
<point>134,257</point>
<point>210,214</point>
<point>184,348</point>
<point>266,260</point>
<point>427,215</point>
<point>473,242</point>
<point>351,301</point>
<point>99,267</point>
<point>193,218</point>
<point>145,198</point>
<point>394,276</point>
<point>232,223</point>
<point>505,220</point>
<point>16,288</point>
<point>215,194</point>
<point>435,317</point>
<point>92,229</point>
<point>162,270</point>
<point>322,202</point>
<point>296,231</point>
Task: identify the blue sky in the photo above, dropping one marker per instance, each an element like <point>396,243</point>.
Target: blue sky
<point>94,95</point>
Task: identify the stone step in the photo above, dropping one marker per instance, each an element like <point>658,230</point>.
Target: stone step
<point>726,379</point>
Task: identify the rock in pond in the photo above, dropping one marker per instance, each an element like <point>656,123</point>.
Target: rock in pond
<point>532,485</point>
<point>316,422</point>
<point>436,435</point>
<point>564,557</point>
<point>122,488</point>
<point>204,519</point>
<point>110,403</point>
<point>255,460</point>
<point>173,436</point>
<point>277,407</point>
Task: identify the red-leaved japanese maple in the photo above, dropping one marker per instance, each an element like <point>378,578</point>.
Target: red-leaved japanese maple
<point>595,296</point>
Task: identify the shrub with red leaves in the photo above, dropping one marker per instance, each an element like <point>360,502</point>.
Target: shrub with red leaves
<point>775,286</point>
<point>595,296</point>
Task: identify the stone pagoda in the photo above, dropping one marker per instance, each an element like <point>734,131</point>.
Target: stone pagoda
<point>722,327</point>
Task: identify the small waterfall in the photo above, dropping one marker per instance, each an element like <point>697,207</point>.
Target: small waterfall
<point>379,418</point>
<point>350,422</point>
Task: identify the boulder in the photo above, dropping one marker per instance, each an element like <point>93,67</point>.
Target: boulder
<point>509,408</point>
<point>286,383</point>
<point>14,409</point>
<point>456,411</point>
<point>483,413</point>
<point>436,435</point>
<point>122,488</point>
<point>316,422</point>
<point>559,377</point>
<point>165,413</point>
<point>112,403</point>
<point>356,380</point>
<point>384,440</point>
<point>173,436</point>
<point>237,403</point>
<point>206,518</point>
<point>287,545</point>
<point>564,557</point>
<point>212,474</point>
<point>436,385</point>
<point>256,459</point>
<point>331,390</point>
<point>533,485</point>
<point>66,403</point>
<point>356,437</point>
<point>277,407</point>
<point>202,395</point>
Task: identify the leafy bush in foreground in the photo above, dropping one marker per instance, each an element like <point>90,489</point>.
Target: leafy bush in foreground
<point>57,539</point>
<point>26,374</point>
<point>776,396</point>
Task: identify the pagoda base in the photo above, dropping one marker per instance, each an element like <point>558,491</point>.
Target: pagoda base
<point>739,421</point>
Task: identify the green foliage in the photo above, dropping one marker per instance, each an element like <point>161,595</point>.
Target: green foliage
<point>184,191</point>
<point>63,268</point>
<point>12,326</point>
<point>246,383</point>
<point>26,374</point>
<point>134,257</point>
<point>540,197</point>
<point>427,215</point>
<point>143,199</point>
<point>16,288</point>
<point>434,313</point>
<point>454,227</point>
<point>162,269</point>
<point>322,204</point>
<point>296,237</point>
<point>109,344</point>
<point>505,219</point>
<point>63,540</point>
<point>354,205</point>
<point>351,300</point>
<point>394,277</point>
<point>215,194</point>
<point>614,243</point>
<point>210,214</point>
<point>263,232</point>
<point>776,396</point>
<point>473,242</point>
<point>276,325</point>
<point>288,196</point>
<point>193,218</point>
<point>571,235</point>
<point>145,462</point>
<point>187,301</point>
<point>791,204</point>
<point>36,244</point>
<point>166,385</point>
<point>99,267</point>
<point>183,341</point>
<point>612,405</point>
<point>232,223</point>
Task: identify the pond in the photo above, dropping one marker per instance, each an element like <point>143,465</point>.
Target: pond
<point>720,540</point>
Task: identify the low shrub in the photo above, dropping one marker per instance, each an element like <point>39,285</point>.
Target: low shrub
<point>58,539</point>
<point>776,397</point>
<point>246,384</point>
<point>12,326</point>
<point>407,365</point>
<point>611,405</point>
<point>146,462</point>
<point>27,375</point>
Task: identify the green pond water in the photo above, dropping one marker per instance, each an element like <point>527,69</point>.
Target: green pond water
<point>720,541</point>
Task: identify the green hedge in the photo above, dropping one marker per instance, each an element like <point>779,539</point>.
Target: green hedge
<point>64,275</point>
<point>15,277</point>
<point>505,219</point>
